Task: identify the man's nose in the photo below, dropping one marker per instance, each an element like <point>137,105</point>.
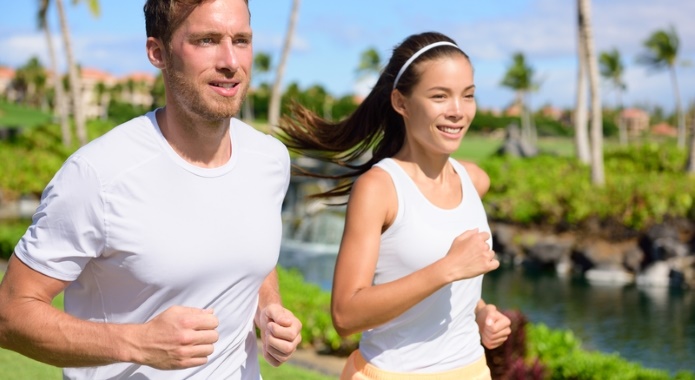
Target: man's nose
<point>226,56</point>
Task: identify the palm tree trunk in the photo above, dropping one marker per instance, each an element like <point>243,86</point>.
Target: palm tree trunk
<point>597,172</point>
<point>247,108</point>
<point>679,110</point>
<point>60,102</point>
<point>622,130</point>
<point>75,82</point>
<point>276,94</point>
<point>690,167</point>
<point>581,133</point>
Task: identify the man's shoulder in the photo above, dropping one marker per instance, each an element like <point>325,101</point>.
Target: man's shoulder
<point>253,139</point>
<point>132,129</point>
<point>124,144</point>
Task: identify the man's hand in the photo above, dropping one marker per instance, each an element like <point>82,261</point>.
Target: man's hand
<point>280,333</point>
<point>494,326</point>
<point>179,337</point>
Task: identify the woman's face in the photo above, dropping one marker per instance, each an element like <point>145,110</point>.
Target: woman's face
<point>441,106</point>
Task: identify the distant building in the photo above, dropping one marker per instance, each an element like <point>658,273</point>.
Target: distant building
<point>96,85</point>
<point>551,112</point>
<point>137,88</point>
<point>513,110</point>
<point>98,88</point>
<point>636,121</point>
<point>664,129</point>
<point>6,77</point>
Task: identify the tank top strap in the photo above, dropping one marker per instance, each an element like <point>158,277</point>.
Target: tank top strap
<point>469,190</point>
<point>400,183</point>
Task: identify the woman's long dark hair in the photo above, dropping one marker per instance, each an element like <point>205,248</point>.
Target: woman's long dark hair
<point>374,126</point>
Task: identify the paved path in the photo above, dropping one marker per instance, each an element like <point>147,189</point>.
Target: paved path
<point>325,364</point>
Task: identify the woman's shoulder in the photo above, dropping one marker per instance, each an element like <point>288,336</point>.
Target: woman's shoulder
<point>478,176</point>
<point>376,178</point>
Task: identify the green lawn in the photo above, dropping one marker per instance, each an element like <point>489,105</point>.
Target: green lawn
<point>476,148</point>
<point>12,115</point>
<point>14,366</point>
<point>17,367</point>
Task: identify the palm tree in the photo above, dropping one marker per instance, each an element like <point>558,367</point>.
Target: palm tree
<point>370,62</point>
<point>60,101</point>
<point>662,52</point>
<point>276,95</point>
<point>581,133</point>
<point>586,33</point>
<point>73,72</point>
<point>101,92</point>
<point>520,78</point>
<point>612,69</point>
<point>30,83</point>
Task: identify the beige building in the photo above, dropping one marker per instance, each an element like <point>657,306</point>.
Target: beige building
<point>98,88</point>
<point>636,121</point>
<point>96,85</point>
<point>6,76</point>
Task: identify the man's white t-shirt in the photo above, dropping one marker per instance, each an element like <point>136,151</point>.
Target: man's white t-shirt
<point>137,229</point>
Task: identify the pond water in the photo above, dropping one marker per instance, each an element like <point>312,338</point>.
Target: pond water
<point>654,327</point>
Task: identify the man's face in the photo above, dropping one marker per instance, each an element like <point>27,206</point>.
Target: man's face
<point>208,62</point>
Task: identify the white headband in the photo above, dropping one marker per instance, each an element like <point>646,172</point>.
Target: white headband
<point>417,54</point>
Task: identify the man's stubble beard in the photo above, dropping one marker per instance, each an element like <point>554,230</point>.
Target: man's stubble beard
<point>190,95</point>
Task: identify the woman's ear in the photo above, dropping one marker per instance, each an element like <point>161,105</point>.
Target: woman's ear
<point>398,102</point>
<point>155,52</point>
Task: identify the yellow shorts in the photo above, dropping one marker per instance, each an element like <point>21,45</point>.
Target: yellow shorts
<point>356,368</point>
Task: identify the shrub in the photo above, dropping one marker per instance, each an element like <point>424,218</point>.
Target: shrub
<point>10,233</point>
<point>644,186</point>
<point>312,306</point>
<point>560,351</point>
<point>508,360</point>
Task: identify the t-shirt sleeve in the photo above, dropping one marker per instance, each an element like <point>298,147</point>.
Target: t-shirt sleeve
<point>67,229</point>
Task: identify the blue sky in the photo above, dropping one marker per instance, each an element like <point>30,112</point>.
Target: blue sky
<point>332,34</point>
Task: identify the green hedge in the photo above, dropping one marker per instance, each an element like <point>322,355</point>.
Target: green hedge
<point>10,233</point>
<point>560,351</point>
<point>312,306</point>
<point>644,185</point>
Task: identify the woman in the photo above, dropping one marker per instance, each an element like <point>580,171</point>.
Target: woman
<point>416,242</point>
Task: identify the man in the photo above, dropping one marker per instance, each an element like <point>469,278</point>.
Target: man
<point>165,232</point>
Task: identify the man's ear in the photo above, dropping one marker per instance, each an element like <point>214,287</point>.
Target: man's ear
<point>398,102</point>
<point>155,52</point>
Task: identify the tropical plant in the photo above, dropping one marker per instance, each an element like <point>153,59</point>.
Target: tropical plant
<point>587,41</point>
<point>276,93</point>
<point>611,68</point>
<point>520,78</point>
<point>662,53</point>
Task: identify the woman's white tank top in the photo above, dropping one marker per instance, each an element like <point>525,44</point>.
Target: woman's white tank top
<point>439,333</point>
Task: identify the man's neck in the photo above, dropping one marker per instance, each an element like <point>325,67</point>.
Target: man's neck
<point>202,143</point>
